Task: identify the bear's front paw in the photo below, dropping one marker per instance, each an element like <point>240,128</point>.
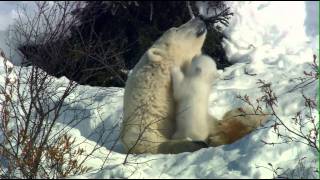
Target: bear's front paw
<point>201,143</point>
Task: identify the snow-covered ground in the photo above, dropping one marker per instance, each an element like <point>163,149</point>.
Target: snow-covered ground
<point>273,40</point>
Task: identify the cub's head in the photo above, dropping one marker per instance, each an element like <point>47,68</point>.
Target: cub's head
<point>203,66</point>
<point>179,44</point>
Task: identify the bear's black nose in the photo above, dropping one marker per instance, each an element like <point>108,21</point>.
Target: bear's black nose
<point>201,28</point>
<point>202,17</point>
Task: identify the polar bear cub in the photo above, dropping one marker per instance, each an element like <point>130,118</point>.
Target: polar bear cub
<point>191,90</point>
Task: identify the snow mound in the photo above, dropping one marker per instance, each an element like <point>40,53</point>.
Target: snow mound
<point>264,44</point>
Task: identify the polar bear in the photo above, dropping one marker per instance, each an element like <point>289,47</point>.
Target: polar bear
<point>149,107</point>
<point>191,92</point>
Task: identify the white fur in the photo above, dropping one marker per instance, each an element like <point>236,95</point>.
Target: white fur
<point>191,92</point>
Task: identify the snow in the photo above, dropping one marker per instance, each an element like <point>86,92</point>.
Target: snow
<point>8,15</point>
<point>12,11</point>
<point>275,41</point>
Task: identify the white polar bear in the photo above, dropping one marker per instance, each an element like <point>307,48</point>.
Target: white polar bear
<point>191,92</point>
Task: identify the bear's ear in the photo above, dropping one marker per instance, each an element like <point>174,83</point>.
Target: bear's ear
<point>155,55</point>
<point>198,70</point>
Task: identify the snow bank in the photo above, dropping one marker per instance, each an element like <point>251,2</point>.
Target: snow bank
<point>262,32</point>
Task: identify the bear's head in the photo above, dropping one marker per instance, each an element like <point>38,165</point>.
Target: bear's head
<point>204,67</point>
<point>179,44</point>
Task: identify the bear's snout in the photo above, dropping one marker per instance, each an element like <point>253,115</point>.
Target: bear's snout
<point>201,27</point>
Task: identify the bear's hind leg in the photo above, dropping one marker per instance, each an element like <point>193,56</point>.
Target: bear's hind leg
<point>235,124</point>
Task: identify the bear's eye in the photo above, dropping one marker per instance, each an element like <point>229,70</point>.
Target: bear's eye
<point>175,29</point>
